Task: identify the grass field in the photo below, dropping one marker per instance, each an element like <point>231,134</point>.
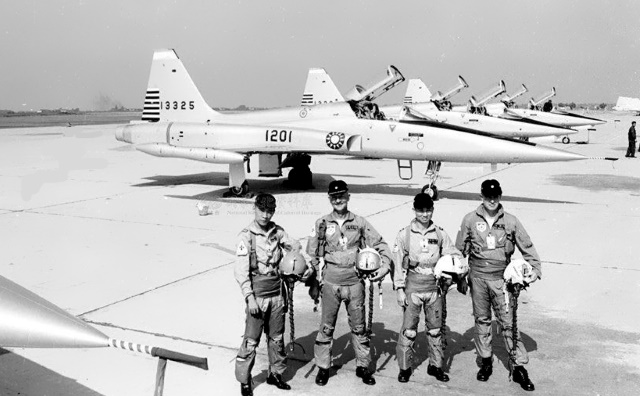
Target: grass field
<point>88,118</point>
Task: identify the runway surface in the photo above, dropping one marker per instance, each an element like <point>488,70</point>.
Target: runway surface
<point>114,236</point>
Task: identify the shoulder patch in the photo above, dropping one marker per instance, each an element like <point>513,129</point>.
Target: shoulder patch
<point>395,248</point>
<point>313,232</point>
<point>242,249</point>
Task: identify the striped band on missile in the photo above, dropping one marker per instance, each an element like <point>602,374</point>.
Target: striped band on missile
<point>162,353</point>
<point>130,346</point>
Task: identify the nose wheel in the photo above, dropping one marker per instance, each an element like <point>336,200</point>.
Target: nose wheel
<point>432,190</point>
<point>566,140</point>
<point>432,173</point>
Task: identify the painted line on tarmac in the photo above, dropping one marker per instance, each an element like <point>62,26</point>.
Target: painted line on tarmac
<point>155,288</point>
<point>32,211</point>
<point>591,266</point>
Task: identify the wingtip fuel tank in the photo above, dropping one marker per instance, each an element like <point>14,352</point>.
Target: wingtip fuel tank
<point>29,321</point>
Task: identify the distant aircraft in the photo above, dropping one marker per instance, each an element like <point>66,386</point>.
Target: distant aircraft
<point>181,124</point>
<point>627,104</point>
<point>419,104</point>
<point>542,110</point>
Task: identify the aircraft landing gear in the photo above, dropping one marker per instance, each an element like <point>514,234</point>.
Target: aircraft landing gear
<point>300,176</point>
<point>432,173</point>
<point>239,192</point>
<point>566,140</point>
<point>432,190</point>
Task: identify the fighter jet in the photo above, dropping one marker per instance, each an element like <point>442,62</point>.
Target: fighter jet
<point>420,104</point>
<point>541,109</point>
<point>179,123</point>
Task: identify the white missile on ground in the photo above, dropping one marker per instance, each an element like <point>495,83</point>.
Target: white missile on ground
<point>29,321</point>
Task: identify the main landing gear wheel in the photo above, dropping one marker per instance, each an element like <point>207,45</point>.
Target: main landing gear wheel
<point>242,191</point>
<point>431,190</point>
<point>300,177</point>
<point>566,140</point>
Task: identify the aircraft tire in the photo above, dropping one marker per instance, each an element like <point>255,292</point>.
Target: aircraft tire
<point>301,177</point>
<point>566,140</point>
<point>431,190</point>
<point>239,191</point>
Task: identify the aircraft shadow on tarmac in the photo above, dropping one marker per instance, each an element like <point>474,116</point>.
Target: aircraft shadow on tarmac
<point>17,378</point>
<point>599,182</point>
<point>321,181</point>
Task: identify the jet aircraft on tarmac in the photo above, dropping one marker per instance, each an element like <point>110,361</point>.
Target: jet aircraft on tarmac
<point>180,124</point>
<point>420,104</point>
<point>537,112</point>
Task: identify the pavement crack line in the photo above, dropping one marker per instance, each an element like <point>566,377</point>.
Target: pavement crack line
<point>114,220</point>
<point>155,288</point>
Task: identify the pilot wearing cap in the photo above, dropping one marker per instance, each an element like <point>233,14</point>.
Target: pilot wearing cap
<point>259,250</point>
<point>336,239</point>
<point>418,247</point>
<point>488,236</point>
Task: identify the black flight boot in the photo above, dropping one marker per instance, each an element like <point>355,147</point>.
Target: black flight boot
<point>276,379</point>
<point>245,389</point>
<point>438,373</point>
<point>322,377</point>
<point>404,375</point>
<point>366,375</point>
<point>521,376</point>
<point>486,369</point>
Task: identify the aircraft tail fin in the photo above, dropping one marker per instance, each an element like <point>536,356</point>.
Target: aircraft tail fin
<point>627,104</point>
<point>320,89</point>
<point>171,93</point>
<point>417,92</point>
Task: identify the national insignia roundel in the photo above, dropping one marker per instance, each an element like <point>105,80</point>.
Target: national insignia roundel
<point>335,140</point>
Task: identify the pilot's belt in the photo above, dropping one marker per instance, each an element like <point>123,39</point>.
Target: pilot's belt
<point>341,265</point>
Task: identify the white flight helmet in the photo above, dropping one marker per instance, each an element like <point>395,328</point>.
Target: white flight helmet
<point>293,264</point>
<point>449,265</point>
<point>368,260</point>
<point>518,271</point>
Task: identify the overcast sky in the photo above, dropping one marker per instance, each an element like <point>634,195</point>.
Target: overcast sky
<point>88,54</point>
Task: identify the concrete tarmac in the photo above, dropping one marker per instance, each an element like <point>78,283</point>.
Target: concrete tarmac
<point>114,237</point>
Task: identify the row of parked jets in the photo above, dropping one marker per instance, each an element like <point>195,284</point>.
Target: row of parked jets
<point>177,122</point>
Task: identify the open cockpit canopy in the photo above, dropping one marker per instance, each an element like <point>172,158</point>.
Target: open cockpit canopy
<point>440,96</point>
<point>537,101</point>
<point>376,87</point>
<point>488,94</point>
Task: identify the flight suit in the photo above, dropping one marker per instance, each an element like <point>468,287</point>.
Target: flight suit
<point>256,271</point>
<point>419,250</point>
<point>631,150</point>
<point>489,250</point>
<point>341,283</point>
